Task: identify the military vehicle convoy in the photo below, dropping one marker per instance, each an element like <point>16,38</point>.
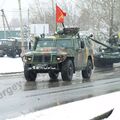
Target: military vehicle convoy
<point>63,52</point>
<point>109,55</point>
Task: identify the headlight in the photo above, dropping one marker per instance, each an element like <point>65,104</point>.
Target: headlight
<point>27,58</point>
<point>101,56</point>
<point>60,58</point>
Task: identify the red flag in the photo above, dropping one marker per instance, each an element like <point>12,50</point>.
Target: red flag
<point>59,15</point>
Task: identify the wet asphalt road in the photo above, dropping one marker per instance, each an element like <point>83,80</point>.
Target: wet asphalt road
<point>19,97</point>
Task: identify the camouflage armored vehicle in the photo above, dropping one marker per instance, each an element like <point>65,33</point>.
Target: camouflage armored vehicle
<point>109,54</point>
<point>64,52</point>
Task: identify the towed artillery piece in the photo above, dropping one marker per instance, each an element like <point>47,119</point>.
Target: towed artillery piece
<point>109,55</point>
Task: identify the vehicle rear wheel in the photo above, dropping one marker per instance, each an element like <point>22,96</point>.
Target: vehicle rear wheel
<point>53,75</point>
<point>88,70</point>
<point>67,70</point>
<point>29,74</point>
<point>19,52</point>
<point>13,54</point>
<point>2,55</point>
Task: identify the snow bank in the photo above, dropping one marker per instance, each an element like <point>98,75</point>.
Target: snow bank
<point>80,110</point>
<point>8,65</point>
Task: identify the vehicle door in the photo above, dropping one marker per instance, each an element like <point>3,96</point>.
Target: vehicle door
<point>84,50</point>
<point>78,53</point>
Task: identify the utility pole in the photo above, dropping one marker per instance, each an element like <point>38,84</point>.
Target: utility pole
<point>28,37</point>
<point>21,27</point>
<point>5,20</point>
<point>3,24</point>
<point>54,21</point>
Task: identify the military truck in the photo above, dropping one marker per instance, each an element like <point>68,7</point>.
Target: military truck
<point>3,47</point>
<point>14,47</point>
<point>63,52</point>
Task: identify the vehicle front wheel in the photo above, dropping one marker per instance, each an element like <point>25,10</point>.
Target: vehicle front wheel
<point>53,75</point>
<point>29,74</point>
<point>13,54</point>
<point>88,70</point>
<point>67,70</point>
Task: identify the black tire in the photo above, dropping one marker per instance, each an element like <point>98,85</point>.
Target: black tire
<point>67,70</point>
<point>29,74</point>
<point>19,52</point>
<point>8,55</point>
<point>53,75</point>
<point>2,55</point>
<point>86,74</point>
<point>13,54</point>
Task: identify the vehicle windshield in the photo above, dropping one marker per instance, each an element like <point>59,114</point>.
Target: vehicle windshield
<point>54,43</point>
<point>9,43</point>
<point>45,43</point>
<point>67,43</point>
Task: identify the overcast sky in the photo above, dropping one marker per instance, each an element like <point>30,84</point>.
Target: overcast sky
<point>11,7</point>
<point>13,4</point>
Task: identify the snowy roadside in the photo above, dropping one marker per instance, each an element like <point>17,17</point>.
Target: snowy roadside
<point>80,110</point>
<point>11,65</point>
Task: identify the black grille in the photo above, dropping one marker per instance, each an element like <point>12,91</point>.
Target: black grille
<point>42,58</point>
<point>46,58</point>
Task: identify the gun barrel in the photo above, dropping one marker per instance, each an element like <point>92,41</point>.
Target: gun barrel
<point>100,43</point>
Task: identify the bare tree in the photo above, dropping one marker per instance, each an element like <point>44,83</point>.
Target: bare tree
<point>98,15</point>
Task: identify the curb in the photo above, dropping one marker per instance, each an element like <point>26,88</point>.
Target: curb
<point>11,74</point>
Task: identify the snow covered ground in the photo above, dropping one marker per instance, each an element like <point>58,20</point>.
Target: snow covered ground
<point>8,65</point>
<point>80,110</point>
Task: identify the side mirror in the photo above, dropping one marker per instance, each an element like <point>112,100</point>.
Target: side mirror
<point>82,44</point>
<point>29,45</point>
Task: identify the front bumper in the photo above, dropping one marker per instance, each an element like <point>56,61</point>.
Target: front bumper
<point>44,68</point>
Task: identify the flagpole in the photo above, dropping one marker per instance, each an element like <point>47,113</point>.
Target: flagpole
<point>63,25</point>
<point>55,20</point>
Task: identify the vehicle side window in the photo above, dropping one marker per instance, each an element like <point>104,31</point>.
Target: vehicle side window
<point>76,42</point>
<point>82,45</point>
